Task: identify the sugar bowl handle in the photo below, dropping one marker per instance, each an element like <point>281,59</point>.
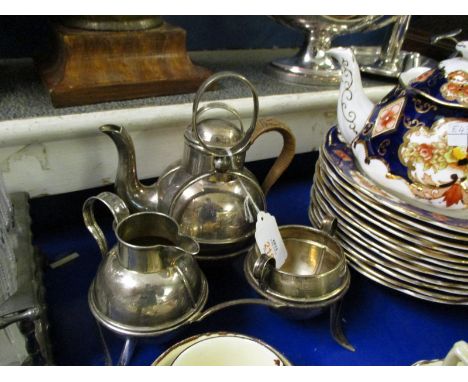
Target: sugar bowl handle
<point>262,269</point>
<point>265,125</point>
<point>329,225</point>
<point>116,206</point>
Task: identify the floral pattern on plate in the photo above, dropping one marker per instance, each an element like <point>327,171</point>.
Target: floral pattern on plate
<point>436,169</point>
<point>336,151</point>
<point>456,88</point>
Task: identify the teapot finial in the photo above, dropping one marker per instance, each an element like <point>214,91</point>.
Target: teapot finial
<point>353,105</point>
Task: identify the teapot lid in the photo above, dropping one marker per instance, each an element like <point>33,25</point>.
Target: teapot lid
<point>216,133</point>
<point>448,83</point>
<point>226,141</point>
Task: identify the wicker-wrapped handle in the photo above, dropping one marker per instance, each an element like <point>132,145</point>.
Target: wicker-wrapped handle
<point>265,125</point>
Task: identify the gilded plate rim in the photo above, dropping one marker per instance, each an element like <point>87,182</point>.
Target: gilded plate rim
<point>357,221</point>
<point>335,178</point>
<point>403,207</point>
<point>440,245</point>
<point>395,284</point>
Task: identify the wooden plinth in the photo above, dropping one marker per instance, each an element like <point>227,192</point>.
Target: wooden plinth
<point>97,66</point>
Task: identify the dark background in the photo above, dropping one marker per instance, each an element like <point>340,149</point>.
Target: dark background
<point>28,36</point>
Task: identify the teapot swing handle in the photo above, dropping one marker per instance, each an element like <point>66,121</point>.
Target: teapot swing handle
<point>257,128</point>
<point>116,206</point>
<point>265,125</point>
<point>244,143</point>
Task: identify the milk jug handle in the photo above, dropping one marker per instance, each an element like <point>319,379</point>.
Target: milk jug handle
<point>118,209</point>
<point>265,125</point>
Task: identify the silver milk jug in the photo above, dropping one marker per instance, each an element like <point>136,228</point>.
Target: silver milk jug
<point>149,282</point>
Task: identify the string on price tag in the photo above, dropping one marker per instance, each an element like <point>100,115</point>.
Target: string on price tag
<point>267,234</point>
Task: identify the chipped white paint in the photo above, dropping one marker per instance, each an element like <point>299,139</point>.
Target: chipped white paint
<point>52,155</point>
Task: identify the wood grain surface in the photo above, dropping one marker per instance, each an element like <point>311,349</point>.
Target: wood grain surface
<point>97,66</point>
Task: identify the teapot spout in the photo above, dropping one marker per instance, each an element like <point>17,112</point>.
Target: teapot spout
<point>137,196</point>
<point>353,105</point>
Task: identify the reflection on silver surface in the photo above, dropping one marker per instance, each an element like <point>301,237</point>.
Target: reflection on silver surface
<point>389,63</point>
<point>315,268</point>
<point>311,66</point>
<point>150,281</point>
<point>213,210</point>
<point>208,192</point>
<point>368,56</point>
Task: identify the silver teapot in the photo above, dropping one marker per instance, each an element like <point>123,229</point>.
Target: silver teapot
<point>209,193</point>
<point>149,283</point>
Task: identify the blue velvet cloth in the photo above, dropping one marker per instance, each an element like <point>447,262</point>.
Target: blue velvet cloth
<point>385,326</point>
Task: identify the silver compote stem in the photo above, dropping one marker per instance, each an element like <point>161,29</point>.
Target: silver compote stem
<point>310,66</point>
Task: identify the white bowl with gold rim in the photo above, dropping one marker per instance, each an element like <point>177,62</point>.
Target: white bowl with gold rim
<point>221,349</point>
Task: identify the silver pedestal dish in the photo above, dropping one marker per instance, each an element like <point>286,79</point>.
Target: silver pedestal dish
<point>310,66</point>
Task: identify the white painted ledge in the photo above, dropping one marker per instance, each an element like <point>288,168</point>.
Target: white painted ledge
<point>52,155</point>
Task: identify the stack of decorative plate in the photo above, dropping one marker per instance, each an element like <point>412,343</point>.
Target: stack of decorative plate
<point>417,252</point>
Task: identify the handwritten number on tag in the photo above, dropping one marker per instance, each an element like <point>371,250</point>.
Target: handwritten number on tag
<point>457,133</point>
<point>268,238</point>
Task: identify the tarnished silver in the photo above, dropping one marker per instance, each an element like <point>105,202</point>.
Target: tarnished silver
<point>310,66</point>
<point>149,284</point>
<point>209,191</point>
<point>211,145</point>
<point>315,269</point>
<point>314,277</point>
<point>298,310</point>
<point>150,281</point>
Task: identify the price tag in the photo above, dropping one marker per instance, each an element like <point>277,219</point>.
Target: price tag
<point>457,133</point>
<point>268,238</point>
